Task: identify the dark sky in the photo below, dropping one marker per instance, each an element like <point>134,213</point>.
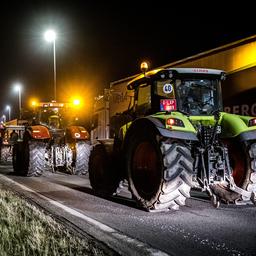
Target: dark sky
<point>103,41</point>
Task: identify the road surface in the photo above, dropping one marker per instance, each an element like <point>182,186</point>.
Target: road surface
<point>196,229</point>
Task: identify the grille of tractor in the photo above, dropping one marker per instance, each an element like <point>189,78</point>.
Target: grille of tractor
<point>206,134</point>
<point>58,133</point>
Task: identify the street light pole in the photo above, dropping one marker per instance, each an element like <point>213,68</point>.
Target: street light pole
<point>20,101</point>
<point>50,36</point>
<point>18,88</point>
<point>9,111</point>
<point>54,71</point>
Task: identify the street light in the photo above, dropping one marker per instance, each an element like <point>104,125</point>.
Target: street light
<point>9,111</point>
<point>50,36</point>
<point>17,88</point>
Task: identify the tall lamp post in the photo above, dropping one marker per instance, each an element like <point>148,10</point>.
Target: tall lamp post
<point>50,36</point>
<point>17,88</point>
<point>9,111</point>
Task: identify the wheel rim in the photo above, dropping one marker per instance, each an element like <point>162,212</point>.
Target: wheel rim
<point>238,162</point>
<point>145,170</point>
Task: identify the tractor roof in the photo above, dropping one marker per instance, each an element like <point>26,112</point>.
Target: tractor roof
<point>52,104</point>
<point>192,71</point>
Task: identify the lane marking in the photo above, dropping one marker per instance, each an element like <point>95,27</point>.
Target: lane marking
<point>143,247</point>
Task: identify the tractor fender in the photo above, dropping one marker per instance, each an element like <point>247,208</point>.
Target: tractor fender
<point>38,132</point>
<point>237,126</point>
<point>249,135</point>
<point>155,124</point>
<point>77,132</point>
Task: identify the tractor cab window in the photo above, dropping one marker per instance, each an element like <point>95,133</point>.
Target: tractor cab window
<point>198,96</point>
<point>54,122</point>
<point>50,117</point>
<point>144,99</point>
<point>144,95</point>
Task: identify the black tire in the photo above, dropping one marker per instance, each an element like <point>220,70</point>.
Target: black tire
<point>103,177</point>
<point>16,158</point>
<point>6,153</point>
<point>33,158</point>
<point>160,174</point>
<point>242,156</point>
<point>82,154</point>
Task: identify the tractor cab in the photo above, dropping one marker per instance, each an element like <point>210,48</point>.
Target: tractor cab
<point>50,114</point>
<point>192,91</point>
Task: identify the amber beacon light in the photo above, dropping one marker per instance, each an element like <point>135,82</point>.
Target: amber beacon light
<point>144,67</point>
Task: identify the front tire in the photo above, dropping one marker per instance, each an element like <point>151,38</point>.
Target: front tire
<point>159,172</point>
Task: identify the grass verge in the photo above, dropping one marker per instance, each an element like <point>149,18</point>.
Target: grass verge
<point>26,230</point>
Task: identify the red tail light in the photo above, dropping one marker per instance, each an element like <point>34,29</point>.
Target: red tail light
<point>174,122</point>
<point>252,122</point>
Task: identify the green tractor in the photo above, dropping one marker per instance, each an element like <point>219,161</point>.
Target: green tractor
<point>174,136</point>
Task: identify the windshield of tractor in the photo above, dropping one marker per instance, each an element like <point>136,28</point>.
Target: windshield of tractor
<point>49,117</point>
<point>58,116</point>
<point>198,96</point>
<point>55,118</point>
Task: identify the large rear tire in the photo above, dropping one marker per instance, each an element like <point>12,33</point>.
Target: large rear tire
<point>242,156</point>
<point>6,153</point>
<point>82,154</point>
<point>102,172</point>
<point>33,158</point>
<point>160,173</point>
<point>16,157</point>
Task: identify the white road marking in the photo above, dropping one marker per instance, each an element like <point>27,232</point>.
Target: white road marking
<point>144,248</point>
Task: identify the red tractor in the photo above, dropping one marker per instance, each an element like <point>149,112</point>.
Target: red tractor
<point>52,142</point>
<point>9,135</point>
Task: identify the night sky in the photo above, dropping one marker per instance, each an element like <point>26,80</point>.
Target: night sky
<point>103,41</point>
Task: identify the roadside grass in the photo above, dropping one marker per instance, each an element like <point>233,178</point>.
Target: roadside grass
<point>26,230</point>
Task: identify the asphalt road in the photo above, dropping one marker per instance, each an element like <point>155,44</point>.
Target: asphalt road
<point>196,229</point>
